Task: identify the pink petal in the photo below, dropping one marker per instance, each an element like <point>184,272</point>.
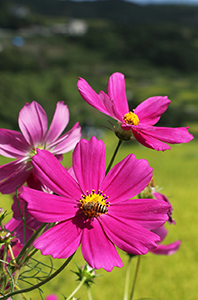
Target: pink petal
<point>59,122</point>
<point>128,235</point>
<point>169,135</point>
<point>127,179</point>
<point>162,197</point>
<point>166,249</point>
<point>13,144</point>
<point>33,123</point>
<point>89,164</point>
<point>161,231</point>
<point>148,213</point>
<point>66,142</point>
<point>51,297</point>
<point>111,107</point>
<point>12,224</point>
<point>97,249</point>
<point>150,142</point>
<point>20,228</point>
<point>15,174</point>
<point>62,240</point>
<point>90,96</point>
<point>150,110</point>
<point>52,174</point>
<point>48,208</point>
<point>116,90</point>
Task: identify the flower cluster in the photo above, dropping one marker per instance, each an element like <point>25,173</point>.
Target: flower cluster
<point>88,206</point>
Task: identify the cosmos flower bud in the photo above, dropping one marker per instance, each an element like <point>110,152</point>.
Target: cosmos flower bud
<point>86,271</point>
<point>5,236</point>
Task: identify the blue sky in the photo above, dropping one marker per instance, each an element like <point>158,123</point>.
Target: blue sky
<point>144,2</point>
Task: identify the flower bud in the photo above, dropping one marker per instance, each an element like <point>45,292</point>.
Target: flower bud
<point>124,135</point>
<point>86,271</point>
<point>5,236</point>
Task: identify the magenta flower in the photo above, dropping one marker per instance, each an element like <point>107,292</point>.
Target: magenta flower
<point>22,146</point>
<point>51,297</point>
<point>94,210</point>
<point>140,121</point>
<point>161,248</point>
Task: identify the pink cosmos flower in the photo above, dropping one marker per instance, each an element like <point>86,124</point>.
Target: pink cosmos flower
<point>22,146</point>
<point>140,121</point>
<point>51,297</point>
<point>94,210</point>
<point>164,249</point>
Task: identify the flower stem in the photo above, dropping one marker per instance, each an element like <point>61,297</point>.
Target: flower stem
<point>24,295</point>
<point>89,293</point>
<point>40,283</point>
<point>127,280</point>
<point>30,241</point>
<point>77,288</point>
<point>114,155</point>
<point>135,277</point>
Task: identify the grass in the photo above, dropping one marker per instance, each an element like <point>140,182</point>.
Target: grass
<point>159,277</point>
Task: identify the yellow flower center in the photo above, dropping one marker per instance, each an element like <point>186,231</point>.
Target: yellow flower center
<point>34,152</point>
<point>94,204</point>
<point>131,118</point>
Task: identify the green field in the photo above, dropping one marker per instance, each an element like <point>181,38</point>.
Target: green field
<point>160,277</point>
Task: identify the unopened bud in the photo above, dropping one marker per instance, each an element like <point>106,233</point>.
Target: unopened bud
<point>5,236</point>
<point>86,271</point>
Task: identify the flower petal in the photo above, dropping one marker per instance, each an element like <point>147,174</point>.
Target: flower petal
<point>97,249</point>
<point>13,144</point>
<point>66,142</point>
<point>59,122</point>
<point>128,235</point>
<point>127,179</point>
<point>33,123</point>
<point>48,208</point>
<point>62,240</point>
<point>169,135</point>
<point>166,249</point>
<point>111,107</point>
<point>19,228</point>
<point>15,174</point>
<point>150,110</point>
<point>52,174</point>
<point>90,96</point>
<point>116,90</point>
<point>149,141</point>
<point>148,213</point>
<point>89,164</point>
<point>161,231</point>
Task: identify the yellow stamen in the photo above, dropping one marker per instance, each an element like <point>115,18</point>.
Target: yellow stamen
<point>131,118</point>
<point>94,204</point>
<point>34,152</point>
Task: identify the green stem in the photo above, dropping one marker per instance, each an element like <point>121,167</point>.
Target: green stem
<point>77,288</point>
<point>89,293</point>
<point>24,296</point>
<point>127,280</point>
<point>114,155</point>
<point>135,277</point>
<point>30,242</point>
<point>36,286</point>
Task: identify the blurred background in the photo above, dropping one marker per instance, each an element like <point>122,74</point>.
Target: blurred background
<point>45,45</point>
